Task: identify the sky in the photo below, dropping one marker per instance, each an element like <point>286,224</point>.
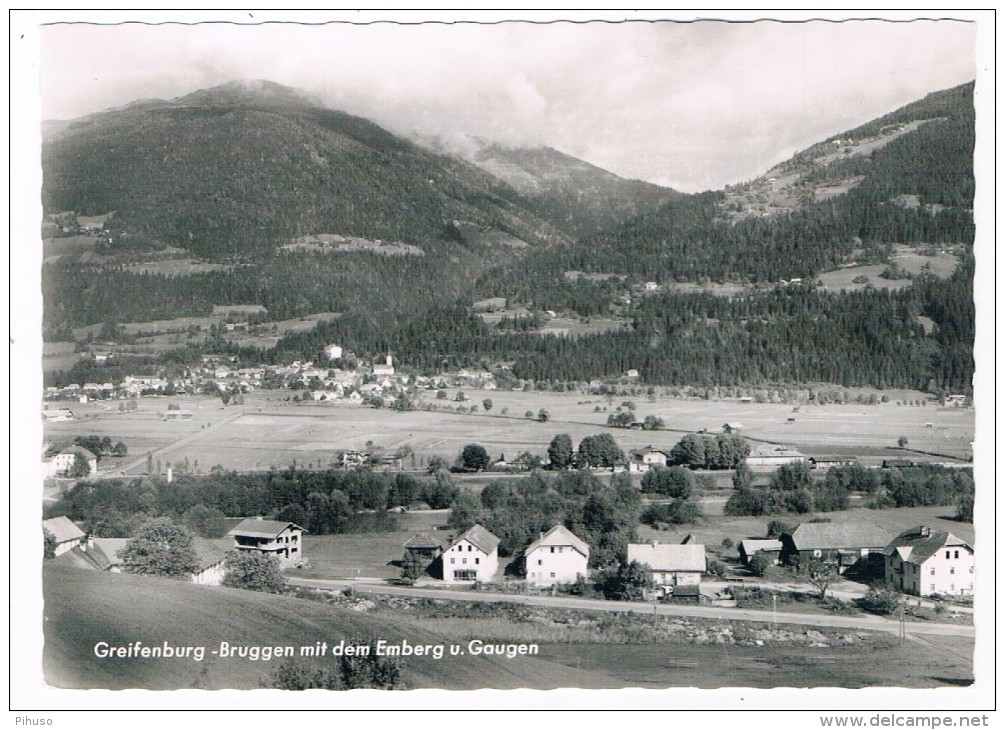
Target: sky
<point>690,105</point>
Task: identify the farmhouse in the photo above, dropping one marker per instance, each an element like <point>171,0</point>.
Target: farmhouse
<point>282,539</point>
<point>64,461</point>
<point>773,457</point>
<point>472,556</point>
<point>845,544</point>
<point>66,532</point>
<point>826,462</point>
<point>423,546</point>
<point>732,427</point>
<point>925,562</point>
<point>177,415</point>
<point>670,565</point>
<point>771,549</point>
<point>557,556</point>
<point>642,460</point>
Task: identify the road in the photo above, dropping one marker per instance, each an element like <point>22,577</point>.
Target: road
<point>852,623</point>
<point>136,463</point>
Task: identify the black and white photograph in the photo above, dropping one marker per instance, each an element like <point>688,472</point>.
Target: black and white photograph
<point>376,360</point>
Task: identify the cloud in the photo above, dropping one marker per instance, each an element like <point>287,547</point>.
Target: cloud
<point>704,103</point>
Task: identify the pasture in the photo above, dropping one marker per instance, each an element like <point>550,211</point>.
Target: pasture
<point>270,431</point>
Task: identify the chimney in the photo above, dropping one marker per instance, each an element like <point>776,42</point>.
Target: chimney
<point>925,531</point>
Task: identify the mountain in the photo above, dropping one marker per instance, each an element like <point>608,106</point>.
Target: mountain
<point>906,178</point>
<point>253,165</point>
<point>576,196</point>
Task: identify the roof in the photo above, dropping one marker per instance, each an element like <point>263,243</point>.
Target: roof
<point>752,546</point>
<point>918,544</point>
<point>79,450</point>
<point>480,538</point>
<point>834,535</point>
<point>262,528</point>
<point>63,529</point>
<point>560,535</point>
<point>669,557</point>
<point>207,552</point>
<point>733,424</point>
<point>110,548</point>
<point>768,450</point>
<point>649,450</point>
<point>422,540</point>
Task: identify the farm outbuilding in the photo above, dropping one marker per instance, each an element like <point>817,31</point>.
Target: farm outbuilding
<point>771,549</point>
<point>670,564</point>
<point>846,545</point>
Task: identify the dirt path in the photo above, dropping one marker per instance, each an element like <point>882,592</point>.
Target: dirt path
<point>873,623</point>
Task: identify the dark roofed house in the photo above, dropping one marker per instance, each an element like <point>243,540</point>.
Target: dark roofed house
<point>845,544</point>
<point>923,562</point>
<point>423,546</point>
<point>284,540</point>
<point>771,549</point>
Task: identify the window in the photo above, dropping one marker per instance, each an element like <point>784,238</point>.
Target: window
<point>469,549</point>
<point>947,555</point>
<point>933,571</point>
<point>932,589</point>
<point>971,569</point>
<point>453,560</point>
<point>540,562</point>
<point>956,554</point>
<point>476,561</point>
<point>552,575</point>
<point>464,561</point>
<point>952,571</point>
<point>552,549</point>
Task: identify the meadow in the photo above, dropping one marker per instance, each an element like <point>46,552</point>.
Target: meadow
<point>270,431</point>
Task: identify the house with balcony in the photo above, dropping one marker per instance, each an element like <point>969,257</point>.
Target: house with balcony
<point>283,540</point>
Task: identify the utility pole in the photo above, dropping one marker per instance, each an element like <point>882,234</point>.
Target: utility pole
<point>774,608</point>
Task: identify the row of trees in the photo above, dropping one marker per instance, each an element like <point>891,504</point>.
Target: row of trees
<point>327,501</point>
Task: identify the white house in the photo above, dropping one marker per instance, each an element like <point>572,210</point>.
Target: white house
<point>773,457</point>
<point>923,562</point>
<point>281,539</point>
<point>558,556</point>
<point>66,533</point>
<point>334,352</point>
<point>670,565</point>
<point>386,369</point>
<point>642,460</point>
<point>472,556</point>
<point>65,460</point>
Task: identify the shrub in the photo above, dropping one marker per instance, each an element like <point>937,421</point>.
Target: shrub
<point>758,565</point>
<point>881,600</point>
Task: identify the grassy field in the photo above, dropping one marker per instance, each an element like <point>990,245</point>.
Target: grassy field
<point>270,431</point>
<point>906,257</point>
<point>84,607</point>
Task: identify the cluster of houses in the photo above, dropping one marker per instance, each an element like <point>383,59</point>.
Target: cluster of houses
<point>282,540</point>
<point>762,457</point>
<point>919,561</point>
<point>317,382</point>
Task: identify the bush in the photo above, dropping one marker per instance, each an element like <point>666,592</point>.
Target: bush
<point>347,672</point>
<point>716,568</point>
<point>881,600</point>
<point>758,565</point>
<point>253,571</point>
